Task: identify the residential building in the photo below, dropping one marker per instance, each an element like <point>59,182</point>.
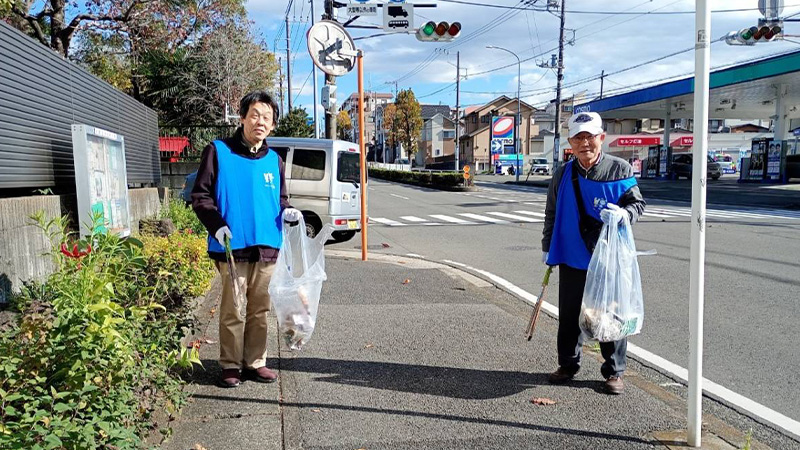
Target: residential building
<point>437,140</point>
<point>372,102</point>
<point>475,139</point>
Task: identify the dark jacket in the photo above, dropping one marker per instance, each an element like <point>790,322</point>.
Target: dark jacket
<point>204,196</point>
<point>607,168</point>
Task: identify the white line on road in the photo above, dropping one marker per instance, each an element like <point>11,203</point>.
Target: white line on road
<point>530,213</point>
<point>413,219</point>
<point>515,217</point>
<point>714,390</point>
<point>650,214</point>
<point>389,222</point>
<point>399,196</point>
<point>483,218</point>
<point>452,219</point>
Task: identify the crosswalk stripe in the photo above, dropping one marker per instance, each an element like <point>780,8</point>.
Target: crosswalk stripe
<point>651,214</point>
<point>483,218</point>
<point>389,222</point>
<point>413,219</point>
<point>516,217</point>
<point>531,213</point>
<point>452,219</point>
<point>671,212</point>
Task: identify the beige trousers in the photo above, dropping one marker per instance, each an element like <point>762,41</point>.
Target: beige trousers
<point>244,343</point>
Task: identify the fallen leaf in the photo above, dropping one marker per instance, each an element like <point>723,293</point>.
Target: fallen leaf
<point>542,401</point>
<point>406,281</point>
<point>385,245</point>
<point>369,346</point>
<point>401,262</point>
<point>198,447</point>
<point>315,410</point>
<point>209,341</point>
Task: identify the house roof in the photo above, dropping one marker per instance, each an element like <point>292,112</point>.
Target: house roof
<point>429,111</point>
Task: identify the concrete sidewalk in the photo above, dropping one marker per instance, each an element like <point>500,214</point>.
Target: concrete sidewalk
<point>412,354</point>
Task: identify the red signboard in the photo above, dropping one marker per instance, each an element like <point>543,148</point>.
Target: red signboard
<point>683,141</point>
<point>636,141</point>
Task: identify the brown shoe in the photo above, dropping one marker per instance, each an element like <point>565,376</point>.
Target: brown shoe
<point>561,375</point>
<point>614,385</point>
<point>230,378</point>
<point>262,375</point>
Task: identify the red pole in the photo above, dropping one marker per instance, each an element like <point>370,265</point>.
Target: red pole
<point>363,156</point>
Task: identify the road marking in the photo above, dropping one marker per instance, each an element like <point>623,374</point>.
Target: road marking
<point>650,214</point>
<point>414,255</point>
<point>399,196</point>
<point>413,219</point>
<point>483,218</point>
<point>389,222</point>
<point>713,390</point>
<point>452,219</point>
<point>516,217</point>
<point>531,213</point>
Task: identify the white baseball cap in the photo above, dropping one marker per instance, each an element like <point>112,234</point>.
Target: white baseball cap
<point>589,122</point>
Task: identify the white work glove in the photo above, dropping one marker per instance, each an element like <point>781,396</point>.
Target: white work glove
<point>544,257</point>
<point>612,213</point>
<point>222,233</point>
<point>292,215</point>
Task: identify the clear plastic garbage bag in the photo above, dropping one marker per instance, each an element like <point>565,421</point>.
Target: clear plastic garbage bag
<point>612,306</point>
<point>297,281</point>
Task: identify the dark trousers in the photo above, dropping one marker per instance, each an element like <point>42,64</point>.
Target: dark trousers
<point>570,339</point>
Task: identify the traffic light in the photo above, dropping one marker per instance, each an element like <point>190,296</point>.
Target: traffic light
<point>441,32</point>
<point>765,32</point>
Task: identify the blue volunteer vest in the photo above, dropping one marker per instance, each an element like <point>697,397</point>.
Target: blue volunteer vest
<point>248,195</point>
<point>566,245</point>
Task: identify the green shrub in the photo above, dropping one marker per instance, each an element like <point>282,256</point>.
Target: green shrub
<point>95,352</point>
<point>434,179</point>
<point>183,217</point>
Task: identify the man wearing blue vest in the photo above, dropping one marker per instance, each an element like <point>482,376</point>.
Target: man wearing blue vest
<point>240,195</point>
<point>605,187</point>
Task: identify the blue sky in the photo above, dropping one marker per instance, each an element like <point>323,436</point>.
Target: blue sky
<point>609,42</point>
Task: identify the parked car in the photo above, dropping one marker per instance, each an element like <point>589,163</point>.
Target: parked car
<point>323,180</point>
<point>682,167</point>
<point>540,165</point>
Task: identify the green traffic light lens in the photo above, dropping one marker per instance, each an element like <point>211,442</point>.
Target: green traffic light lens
<point>429,28</point>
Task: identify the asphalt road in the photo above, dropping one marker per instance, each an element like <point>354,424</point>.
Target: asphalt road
<point>752,303</point>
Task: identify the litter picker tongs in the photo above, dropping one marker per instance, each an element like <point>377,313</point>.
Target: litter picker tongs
<point>239,300</point>
<point>538,307</point>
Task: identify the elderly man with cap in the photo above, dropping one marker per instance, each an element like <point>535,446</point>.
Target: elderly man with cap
<point>591,189</point>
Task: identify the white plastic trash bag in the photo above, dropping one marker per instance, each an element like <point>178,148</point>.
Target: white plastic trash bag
<point>612,305</point>
<point>297,281</point>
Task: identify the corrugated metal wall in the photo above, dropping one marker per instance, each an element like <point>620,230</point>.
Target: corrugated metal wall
<point>41,96</point>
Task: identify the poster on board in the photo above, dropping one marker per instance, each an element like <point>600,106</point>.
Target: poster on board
<point>101,179</point>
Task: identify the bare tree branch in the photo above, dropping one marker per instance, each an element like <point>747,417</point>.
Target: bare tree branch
<point>33,21</point>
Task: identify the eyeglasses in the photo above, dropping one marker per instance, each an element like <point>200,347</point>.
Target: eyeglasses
<point>585,137</point>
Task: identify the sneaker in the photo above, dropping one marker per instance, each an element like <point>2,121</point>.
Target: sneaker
<point>614,385</point>
<point>230,378</point>
<point>561,375</point>
<point>262,375</point>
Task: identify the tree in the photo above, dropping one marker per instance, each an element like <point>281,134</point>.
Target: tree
<point>55,22</point>
<point>343,125</point>
<point>408,118</point>
<point>390,125</point>
<point>295,124</point>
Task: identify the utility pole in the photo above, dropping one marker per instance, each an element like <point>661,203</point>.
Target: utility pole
<point>314,75</point>
<point>330,80</point>
<point>288,67</point>
<point>280,81</point>
<point>559,79</point>
<point>458,105</point>
<point>602,75</point>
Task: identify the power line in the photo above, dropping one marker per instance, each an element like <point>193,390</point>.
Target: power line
<point>438,91</point>
<point>303,86</point>
<point>609,13</point>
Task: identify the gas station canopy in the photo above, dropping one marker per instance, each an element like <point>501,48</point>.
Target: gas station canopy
<point>747,91</point>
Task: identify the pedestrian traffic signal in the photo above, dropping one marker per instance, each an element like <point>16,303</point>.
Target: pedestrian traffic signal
<point>765,32</point>
<point>441,32</point>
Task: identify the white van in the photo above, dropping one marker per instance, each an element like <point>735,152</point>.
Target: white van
<point>323,180</point>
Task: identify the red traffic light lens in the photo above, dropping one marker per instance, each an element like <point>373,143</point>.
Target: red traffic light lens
<point>455,28</point>
<point>442,28</point>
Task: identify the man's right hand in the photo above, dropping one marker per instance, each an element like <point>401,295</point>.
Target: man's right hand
<point>222,233</point>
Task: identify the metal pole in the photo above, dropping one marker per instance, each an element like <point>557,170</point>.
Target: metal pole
<point>314,75</point>
<point>280,81</point>
<point>559,79</point>
<point>458,105</point>
<point>363,156</point>
<point>696,280</point>
<point>602,75</point>
<point>330,80</point>
<point>288,67</point>
<point>518,120</point>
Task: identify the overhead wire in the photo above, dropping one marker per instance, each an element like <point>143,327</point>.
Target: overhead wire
<point>610,13</point>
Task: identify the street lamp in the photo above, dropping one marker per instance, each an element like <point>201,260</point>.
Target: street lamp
<point>518,120</point>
